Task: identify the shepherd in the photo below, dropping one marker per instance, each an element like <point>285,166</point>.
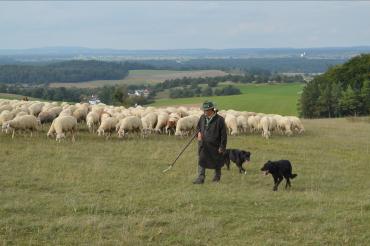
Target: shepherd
<point>212,140</point>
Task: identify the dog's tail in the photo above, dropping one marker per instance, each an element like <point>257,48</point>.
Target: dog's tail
<point>293,176</point>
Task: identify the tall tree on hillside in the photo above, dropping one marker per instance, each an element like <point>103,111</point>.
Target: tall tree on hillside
<point>350,102</point>
<point>308,101</point>
<point>325,101</point>
<point>120,94</point>
<point>365,96</point>
<point>337,93</point>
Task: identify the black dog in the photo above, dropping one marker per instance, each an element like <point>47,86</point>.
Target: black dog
<point>238,157</point>
<point>278,170</point>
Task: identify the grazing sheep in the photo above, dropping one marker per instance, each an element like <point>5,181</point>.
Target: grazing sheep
<point>265,126</point>
<point>252,123</point>
<point>80,114</point>
<point>171,123</point>
<point>35,108</point>
<point>5,115</point>
<point>296,124</point>
<point>66,112</point>
<point>284,125</point>
<point>242,123</point>
<point>55,110</point>
<point>163,117</point>
<point>22,123</point>
<point>61,125</point>
<point>129,124</point>
<point>104,115</point>
<point>149,122</point>
<point>45,117</point>
<point>231,124</point>
<point>92,121</point>
<point>6,107</point>
<point>186,125</point>
<point>108,125</point>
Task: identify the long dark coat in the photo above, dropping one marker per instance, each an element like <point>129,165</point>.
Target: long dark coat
<point>214,137</point>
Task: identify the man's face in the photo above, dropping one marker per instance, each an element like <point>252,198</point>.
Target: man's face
<point>208,112</point>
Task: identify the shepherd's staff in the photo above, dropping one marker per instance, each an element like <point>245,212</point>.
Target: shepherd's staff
<point>182,151</point>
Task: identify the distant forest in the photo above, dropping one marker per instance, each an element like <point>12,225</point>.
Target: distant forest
<point>80,70</point>
<point>67,71</point>
<point>344,90</point>
<point>251,65</point>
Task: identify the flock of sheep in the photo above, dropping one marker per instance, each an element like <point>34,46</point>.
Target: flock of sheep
<point>24,116</point>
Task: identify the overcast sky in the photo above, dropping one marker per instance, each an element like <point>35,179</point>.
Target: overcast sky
<point>173,25</point>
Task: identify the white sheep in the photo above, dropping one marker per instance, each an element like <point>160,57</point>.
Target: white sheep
<point>296,124</point>
<point>129,124</point>
<point>231,124</point>
<point>242,123</point>
<point>265,126</point>
<point>149,122</point>
<point>104,115</point>
<point>46,117</point>
<point>66,112</point>
<point>172,122</point>
<point>161,122</point>
<point>6,107</point>
<point>6,115</point>
<point>92,120</point>
<point>80,114</point>
<point>61,125</point>
<point>284,125</point>
<point>186,125</point>
<point>108,125</point>
<point>55,110</point>
<point>22,123</point>
<point>35,108</point>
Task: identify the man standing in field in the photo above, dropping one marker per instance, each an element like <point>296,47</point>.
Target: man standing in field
<point>212,139</point>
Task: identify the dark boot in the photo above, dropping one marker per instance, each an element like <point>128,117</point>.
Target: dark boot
<point>217,176</point>
<point>199,180</point>
<point>201,175</point>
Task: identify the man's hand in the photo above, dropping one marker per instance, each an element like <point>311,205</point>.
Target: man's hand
<point>200,137</point>
<point>220,151</point>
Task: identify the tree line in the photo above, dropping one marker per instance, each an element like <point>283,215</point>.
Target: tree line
<point>67,71</point>
<point>344,90</point>
<point>273,65</point>
<point>197,91</point>
<point>113,95</point>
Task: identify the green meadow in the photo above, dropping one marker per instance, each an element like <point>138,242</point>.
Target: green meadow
<point>266,98</point>
<point>113,192</point>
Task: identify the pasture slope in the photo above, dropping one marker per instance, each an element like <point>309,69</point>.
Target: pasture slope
<point>265,98</point>
<point>98,192</point>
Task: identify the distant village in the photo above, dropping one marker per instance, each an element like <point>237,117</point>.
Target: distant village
<point>94,99</point>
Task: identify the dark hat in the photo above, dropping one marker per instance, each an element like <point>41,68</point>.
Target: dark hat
<point>208,105</point>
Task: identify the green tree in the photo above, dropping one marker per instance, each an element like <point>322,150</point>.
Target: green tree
<point>207,91</point>
<point>350,102</point>
<point>325,101</point>
<point>120,94</point>
<point>365,96</point>
<point>337,95</point>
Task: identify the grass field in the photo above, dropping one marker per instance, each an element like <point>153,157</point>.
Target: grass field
<point>144,77</point>
<point>98,192</point>
<point>16,97</point>
<point>274,98</point>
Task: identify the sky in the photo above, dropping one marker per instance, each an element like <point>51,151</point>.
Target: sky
<point>184,25</point>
